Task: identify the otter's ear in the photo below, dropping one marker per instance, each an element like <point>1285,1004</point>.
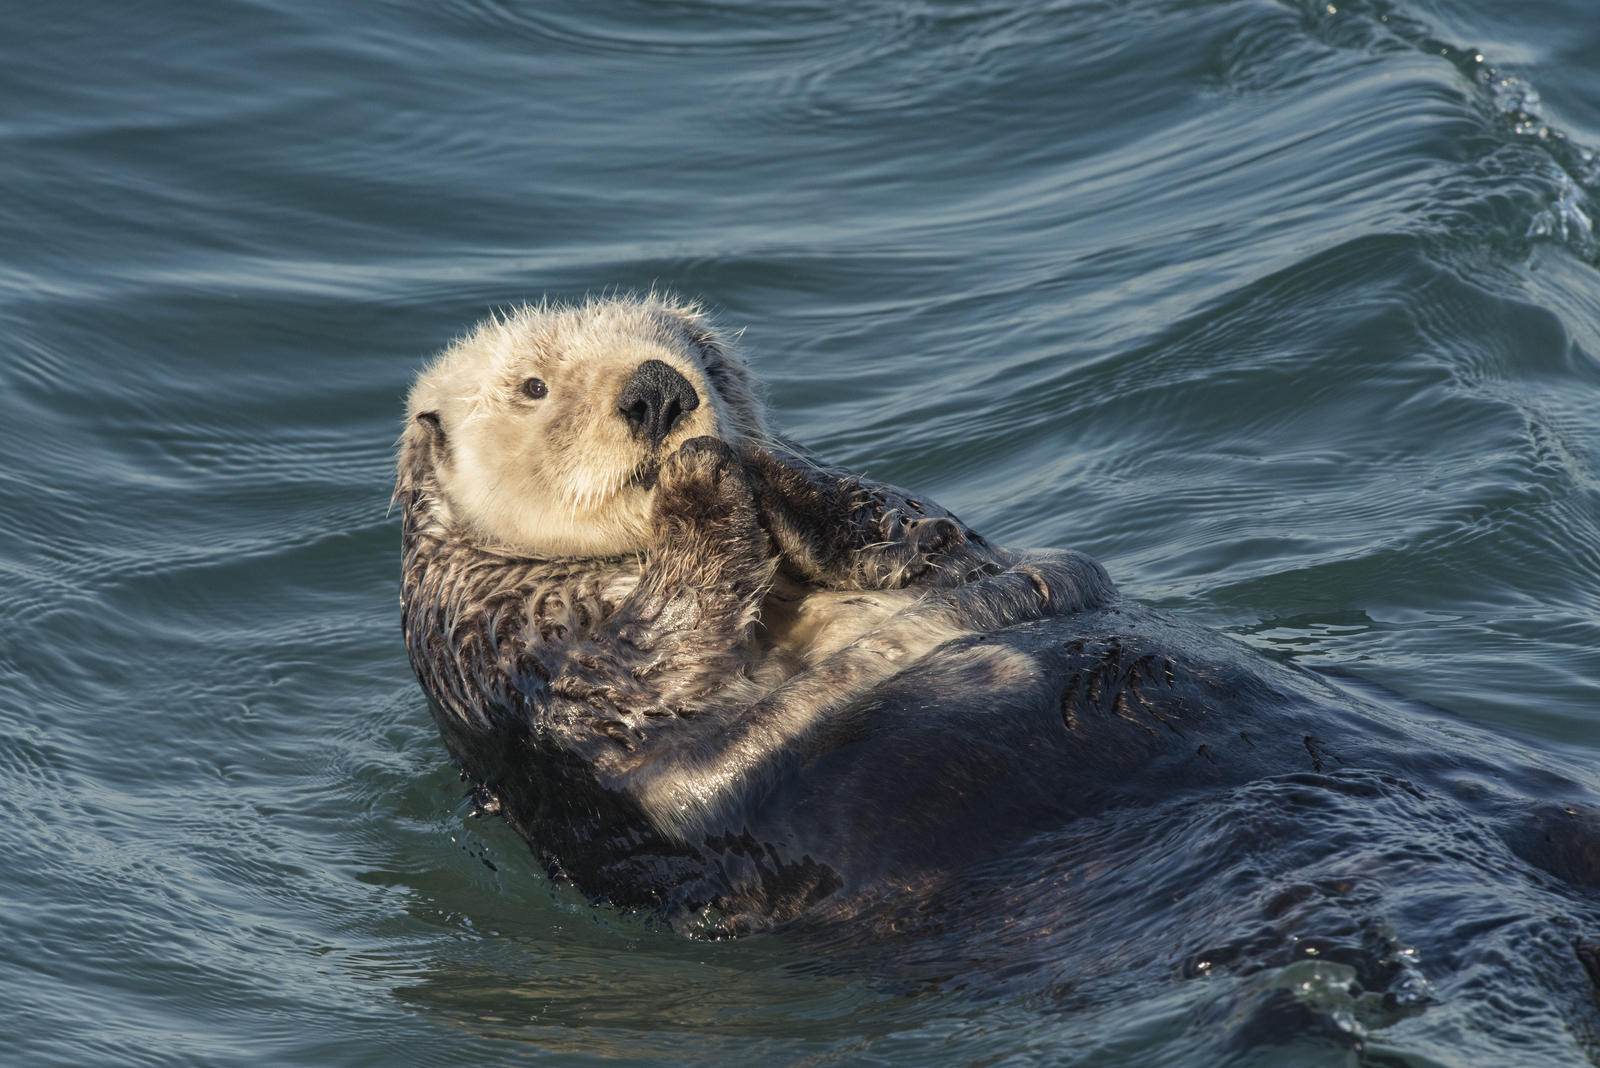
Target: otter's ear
<point>433,434</point>
<point>429,421</point>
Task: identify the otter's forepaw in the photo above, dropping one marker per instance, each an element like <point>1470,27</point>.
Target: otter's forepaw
<point>917,549</point>
<point>706,499</point>
<point>702,459</point>
<point>933,536</point>
<point>704,477</point>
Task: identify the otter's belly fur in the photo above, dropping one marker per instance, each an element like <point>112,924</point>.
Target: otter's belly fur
<point>800,627</point>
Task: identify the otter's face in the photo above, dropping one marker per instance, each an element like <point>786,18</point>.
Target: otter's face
<point>545,429</point>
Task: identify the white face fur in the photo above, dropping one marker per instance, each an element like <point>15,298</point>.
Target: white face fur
<point>537,457</point>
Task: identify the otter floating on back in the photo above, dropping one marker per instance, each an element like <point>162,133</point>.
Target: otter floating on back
<point>623,591</point>
<point>694,665</point>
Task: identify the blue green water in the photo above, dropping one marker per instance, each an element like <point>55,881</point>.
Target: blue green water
<point>1289,312</point>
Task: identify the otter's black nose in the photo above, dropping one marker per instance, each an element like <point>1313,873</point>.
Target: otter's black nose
<point>655,399</point>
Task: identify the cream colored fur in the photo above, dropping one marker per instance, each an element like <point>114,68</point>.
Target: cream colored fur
<point>563,475</point>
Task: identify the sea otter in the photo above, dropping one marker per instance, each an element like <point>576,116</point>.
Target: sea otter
<point>633,605</point>
<point>697,667</point>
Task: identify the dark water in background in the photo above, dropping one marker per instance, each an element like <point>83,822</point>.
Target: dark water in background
<point>1288,312</point>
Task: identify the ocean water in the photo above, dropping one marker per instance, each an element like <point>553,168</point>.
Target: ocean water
<point>1288,312</point>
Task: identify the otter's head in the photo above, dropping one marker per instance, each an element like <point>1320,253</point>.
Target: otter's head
<point>543,429</point>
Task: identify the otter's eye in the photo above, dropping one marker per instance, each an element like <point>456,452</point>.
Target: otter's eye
<point>534,388</point>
